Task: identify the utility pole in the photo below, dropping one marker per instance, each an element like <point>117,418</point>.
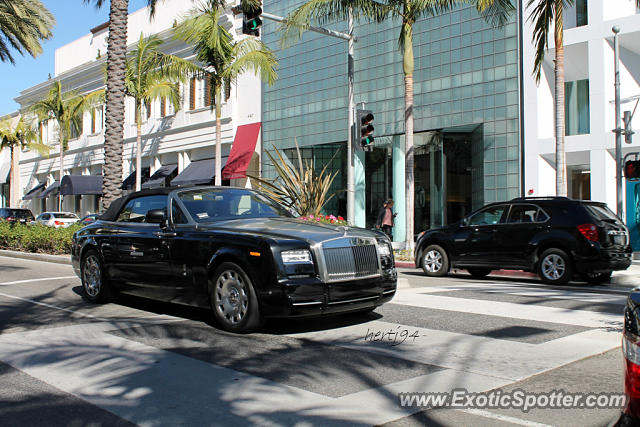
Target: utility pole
<point>618,129</point>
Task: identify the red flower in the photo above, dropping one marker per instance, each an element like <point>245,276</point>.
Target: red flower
<point>340,218</point>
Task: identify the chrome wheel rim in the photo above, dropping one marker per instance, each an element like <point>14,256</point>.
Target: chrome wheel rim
<point>91,276</point>
<point>553,267</point>
<point>231,298</point>
<point>432,261</point>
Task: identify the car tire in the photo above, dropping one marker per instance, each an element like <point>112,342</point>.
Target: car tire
<point>478,272</point>
<point>555,267</point>
<point>94,282</point>
<point>434,262</point>
<point>233,299</point>
<point>598,278</point>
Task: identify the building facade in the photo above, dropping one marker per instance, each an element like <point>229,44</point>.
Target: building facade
<point>589,106</point>
<point>172,141</point>
<point>467,110</point>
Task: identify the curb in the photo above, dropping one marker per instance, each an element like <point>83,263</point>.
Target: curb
<point>58,259</point>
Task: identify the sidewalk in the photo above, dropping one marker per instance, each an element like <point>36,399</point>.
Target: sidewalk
<point>58,259</point>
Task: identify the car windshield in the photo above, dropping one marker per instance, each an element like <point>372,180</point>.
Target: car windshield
<point>65,215</point>
<point>208,205</point>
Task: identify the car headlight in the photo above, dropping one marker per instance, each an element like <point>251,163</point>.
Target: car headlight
<point>298,256</point>
<point>383,249</point>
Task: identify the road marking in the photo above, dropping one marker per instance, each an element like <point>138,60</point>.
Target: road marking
<point>52,306</point>
<point>505,418</point>
<point>37,280</point>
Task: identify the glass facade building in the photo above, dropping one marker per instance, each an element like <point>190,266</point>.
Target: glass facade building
<point>466,110</point>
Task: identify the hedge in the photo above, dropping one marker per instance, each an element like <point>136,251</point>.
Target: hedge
<point>36,238</point>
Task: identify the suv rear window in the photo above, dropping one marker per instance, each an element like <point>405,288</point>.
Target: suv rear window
<point>601,213</point>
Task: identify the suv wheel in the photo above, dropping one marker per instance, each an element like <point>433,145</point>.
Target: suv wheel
<point>478,273</point>
<point>555,267</point>
<point>435,261</point>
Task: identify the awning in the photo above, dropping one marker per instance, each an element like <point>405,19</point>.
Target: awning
<point>161,176</point>
<point>242,150</point>
<point>200,172</point>
<point>130,182</point>
<point>81,184</point>
<point>35,191</point>
<point>5,168</point>
<point>52,189</point>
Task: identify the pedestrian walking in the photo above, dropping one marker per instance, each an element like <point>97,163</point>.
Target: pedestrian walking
<point>385,219</point>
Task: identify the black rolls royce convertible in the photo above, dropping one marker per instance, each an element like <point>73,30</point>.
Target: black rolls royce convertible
<point>235,251</point>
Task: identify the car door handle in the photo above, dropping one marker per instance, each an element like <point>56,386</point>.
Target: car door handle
<point>165,234</point>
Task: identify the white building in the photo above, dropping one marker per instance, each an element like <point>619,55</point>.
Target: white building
<point>590,92</point>
<point>171,139</point>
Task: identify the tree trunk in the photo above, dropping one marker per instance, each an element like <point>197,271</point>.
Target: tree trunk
<point>408,67</point>
<point>114,120</point>
<point>138,145</point>
<point>14,177</point>
<point>561,162</point>
<point>218,99</point>
<point>61,138</point>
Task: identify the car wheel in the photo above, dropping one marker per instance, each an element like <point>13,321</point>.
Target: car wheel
<point>479,273</point>
<point>598,278</point>
<point>435,261</point>
<point>233,299</point>
<point>94,283</point>
<point>555,267</point>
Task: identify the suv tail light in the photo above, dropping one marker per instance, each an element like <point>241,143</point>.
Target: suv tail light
<point>589,231</point>
<point>58,222</point>
<point>10,218</point>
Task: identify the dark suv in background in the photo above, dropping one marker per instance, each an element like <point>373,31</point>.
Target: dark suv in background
<point>23,216</point>
<point>555,237</point>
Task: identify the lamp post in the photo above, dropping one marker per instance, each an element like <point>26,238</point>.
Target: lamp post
<point>618,129</point>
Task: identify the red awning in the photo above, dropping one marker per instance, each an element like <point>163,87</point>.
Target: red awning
<point>242,150</point>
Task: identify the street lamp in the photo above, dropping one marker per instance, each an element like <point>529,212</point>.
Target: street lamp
<point>618,129</point>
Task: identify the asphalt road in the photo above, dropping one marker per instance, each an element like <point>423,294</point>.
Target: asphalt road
<point>66,362</point>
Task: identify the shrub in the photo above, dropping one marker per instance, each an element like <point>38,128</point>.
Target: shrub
<point>36,238</point>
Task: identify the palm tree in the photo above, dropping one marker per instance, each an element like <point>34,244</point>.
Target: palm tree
<point>223,58</point>
<point>23,25</point>
<point>151,74</point>
<point>407,12</point>
<point>114,114</point>
<point>67,110</point>
<point>18,135</point>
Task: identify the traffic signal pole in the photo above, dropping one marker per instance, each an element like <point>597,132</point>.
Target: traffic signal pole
<point>618,129</point>
<point>351,194</point>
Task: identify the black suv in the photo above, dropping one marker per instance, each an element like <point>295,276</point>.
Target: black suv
<point>23,216</point>
<point>555,237</point>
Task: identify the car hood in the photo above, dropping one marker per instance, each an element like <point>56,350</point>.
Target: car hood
<point>289,228</point>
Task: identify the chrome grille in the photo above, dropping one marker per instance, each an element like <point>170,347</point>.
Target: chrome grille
<point>353,262</point>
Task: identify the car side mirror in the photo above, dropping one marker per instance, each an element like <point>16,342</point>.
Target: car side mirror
<point>155,216</point>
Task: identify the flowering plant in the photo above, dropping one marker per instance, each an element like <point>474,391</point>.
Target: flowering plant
<point>326,219</point>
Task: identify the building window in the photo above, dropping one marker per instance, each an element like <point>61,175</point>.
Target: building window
<point>576,107</point>
<point>579,182</point>
<point>97,119</point>
<point>582,17</point>
<point>199,94</point>
<point>166,108</point>
<point>75,130</point>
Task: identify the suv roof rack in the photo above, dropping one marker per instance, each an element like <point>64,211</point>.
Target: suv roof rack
<point>541,198</point>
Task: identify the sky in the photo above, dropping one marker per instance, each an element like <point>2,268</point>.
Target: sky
<point>74,19</point>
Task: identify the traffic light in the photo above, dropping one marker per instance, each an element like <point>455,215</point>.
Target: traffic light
<point>632,169</point>
<point>251,21</point>
<point>627,127</point>
<point>364,129</point>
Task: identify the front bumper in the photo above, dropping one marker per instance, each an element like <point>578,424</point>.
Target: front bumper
<point>309,297</point>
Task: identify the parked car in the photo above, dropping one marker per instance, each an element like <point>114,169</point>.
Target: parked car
<point>233,250</point>
<point>88,219</point>
<point>555,237</point>
<point>631,359</point>
<point>15,215</point>
<point>57,219</point>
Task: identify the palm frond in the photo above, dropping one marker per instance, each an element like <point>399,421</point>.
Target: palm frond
<point>24,24</point>
<point>542,16</point>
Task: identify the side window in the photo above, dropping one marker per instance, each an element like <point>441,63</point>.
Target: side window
<point>542,216</point>
<point>45,217</point>
<point>488,216</point>
<point>136,209</point>
<point>523,213</point>
<point>177,215</point>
